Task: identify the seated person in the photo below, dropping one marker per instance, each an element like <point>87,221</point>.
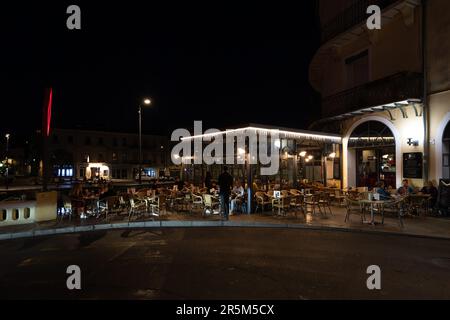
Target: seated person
<point>236,194</point>
<point>405,189</point>
<point>381,190</point>
<point>214,189</point>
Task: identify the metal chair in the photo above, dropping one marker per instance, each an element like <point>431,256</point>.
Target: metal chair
<point>261,201</point>
<point>283,204</point>
<point>339,198</point>
<point>136,207</point>
<point>325,202</point>
<point>153,204</point>
<point>398,207</point>
<point>312,200</point>
<point>210,205</point>
<point>298,202</point>
<point>354,206</point>
<point>197,202</point>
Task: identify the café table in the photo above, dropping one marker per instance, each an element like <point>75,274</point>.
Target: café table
<point>374,204</point>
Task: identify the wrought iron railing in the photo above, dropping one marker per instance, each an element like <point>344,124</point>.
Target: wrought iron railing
<point>398,87</point>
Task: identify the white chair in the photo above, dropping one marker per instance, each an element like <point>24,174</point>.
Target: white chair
<point>136,207</point>
<point>211,205</point>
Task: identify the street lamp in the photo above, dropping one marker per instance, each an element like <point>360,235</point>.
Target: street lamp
<point>146,102</point>
<point>7,166</point>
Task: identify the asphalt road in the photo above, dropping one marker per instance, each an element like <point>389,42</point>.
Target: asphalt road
<point>225,264</point>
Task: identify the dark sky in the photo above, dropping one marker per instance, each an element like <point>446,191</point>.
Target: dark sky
<point>223,63</point>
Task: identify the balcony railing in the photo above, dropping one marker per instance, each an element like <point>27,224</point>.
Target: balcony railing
<point>350,17</point>
<point>398,87</point>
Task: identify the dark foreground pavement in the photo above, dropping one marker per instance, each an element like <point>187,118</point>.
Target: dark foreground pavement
<point>223,263</point>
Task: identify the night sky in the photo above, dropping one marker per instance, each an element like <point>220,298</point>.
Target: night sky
<point>223,63</point>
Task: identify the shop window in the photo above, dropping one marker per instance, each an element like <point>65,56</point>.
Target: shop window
<point>3,215</point>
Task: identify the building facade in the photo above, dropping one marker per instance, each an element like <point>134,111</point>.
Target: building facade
<point>385,91</point>
<point>83,154</point>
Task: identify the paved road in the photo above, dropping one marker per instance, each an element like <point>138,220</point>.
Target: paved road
<point>225,264</point>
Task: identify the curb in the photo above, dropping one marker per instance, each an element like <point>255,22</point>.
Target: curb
<point>198,224</point>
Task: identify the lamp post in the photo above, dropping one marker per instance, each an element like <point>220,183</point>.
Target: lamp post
<point>146,102</point>
<point>7,165</point>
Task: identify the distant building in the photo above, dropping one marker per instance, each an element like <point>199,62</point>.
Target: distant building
<point>85,154</point>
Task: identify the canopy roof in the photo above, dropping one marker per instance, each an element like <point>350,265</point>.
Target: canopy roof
<point>282,132</point>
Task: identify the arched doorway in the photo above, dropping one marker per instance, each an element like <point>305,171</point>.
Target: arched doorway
<point>371,145</point>
<point>446,152</point>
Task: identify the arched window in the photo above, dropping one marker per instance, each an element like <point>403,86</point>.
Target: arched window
<point>371,134</point>
<point>373,145</point>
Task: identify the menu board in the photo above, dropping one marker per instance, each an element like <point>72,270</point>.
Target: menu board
<point>413,165</point>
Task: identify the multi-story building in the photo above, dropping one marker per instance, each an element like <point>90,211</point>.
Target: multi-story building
<point>83,154</point>
<point>373,92</point>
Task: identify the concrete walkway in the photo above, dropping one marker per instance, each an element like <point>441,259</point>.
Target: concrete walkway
<point>413,226</point>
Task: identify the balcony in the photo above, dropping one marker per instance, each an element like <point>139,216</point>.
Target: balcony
<point>353,15</point>
<point>398,87</point>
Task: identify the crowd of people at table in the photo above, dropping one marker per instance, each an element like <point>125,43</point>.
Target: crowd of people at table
<point>406,189</point>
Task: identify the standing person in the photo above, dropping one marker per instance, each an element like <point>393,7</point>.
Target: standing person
<point>225,184</point>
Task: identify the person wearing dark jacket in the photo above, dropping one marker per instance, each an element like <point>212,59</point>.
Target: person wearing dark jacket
<point>225,184</point>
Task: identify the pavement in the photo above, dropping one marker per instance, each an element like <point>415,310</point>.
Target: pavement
<point>424,226</point>
<point>225,263</point>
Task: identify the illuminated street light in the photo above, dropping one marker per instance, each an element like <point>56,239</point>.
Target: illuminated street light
<point>7,167</point>
<point>310,157</point>
<point>146,102</point>
<point>303,154</point>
